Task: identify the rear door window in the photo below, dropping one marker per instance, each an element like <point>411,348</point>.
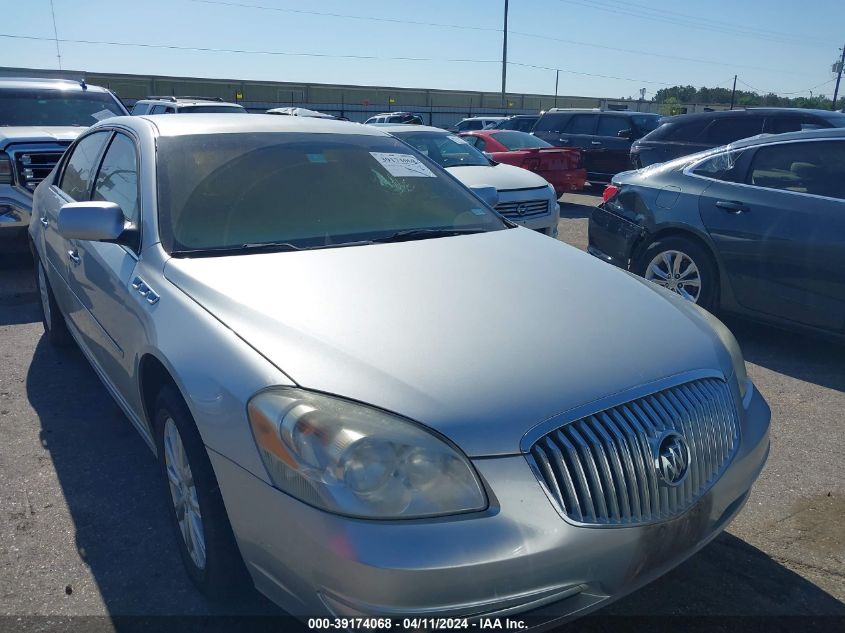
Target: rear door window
<point>79,170</point>
<point>726,130</point>
<point>816,167</point>
<point>683,132</point>
<point>157,109</point>
<point>139,108</point>
<point>611,125</point>
<point>792,123</point>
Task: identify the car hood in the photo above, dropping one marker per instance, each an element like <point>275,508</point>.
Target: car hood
<point>39,134</point>
<point>502,177</point>
<point>480,337</point>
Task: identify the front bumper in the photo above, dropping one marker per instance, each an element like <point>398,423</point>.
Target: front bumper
<point>15,213</point>
<point>518,556</point>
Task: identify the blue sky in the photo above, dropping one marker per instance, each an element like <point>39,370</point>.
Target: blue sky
<point>773,45</point>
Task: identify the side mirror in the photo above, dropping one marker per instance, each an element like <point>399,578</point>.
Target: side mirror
<point>629,134</point>
<point>93,221</point>
<point>488,194</point>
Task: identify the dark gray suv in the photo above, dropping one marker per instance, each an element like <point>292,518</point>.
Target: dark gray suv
<point>690,133</point>
<point>603,136</point>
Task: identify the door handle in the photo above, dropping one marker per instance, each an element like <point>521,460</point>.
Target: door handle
<point>595,142</point>
<point>732,206</point>
<point>563,141</point>
<point>44,221</point>
<point>74,256</point>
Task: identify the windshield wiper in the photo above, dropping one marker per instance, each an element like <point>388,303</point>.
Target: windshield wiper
<point>258,247</point>
<point>423,234</point>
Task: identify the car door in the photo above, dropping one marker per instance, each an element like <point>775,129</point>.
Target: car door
<point>101,274</point>
<point>611,152</point>
<point>781,231</point>
<point>73,184</point>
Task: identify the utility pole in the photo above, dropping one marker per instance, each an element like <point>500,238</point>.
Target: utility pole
<point>56,35</point>
<point>557,78</point>
<point>505,59</point>
<point>838,79</point>
<point>733,94</point>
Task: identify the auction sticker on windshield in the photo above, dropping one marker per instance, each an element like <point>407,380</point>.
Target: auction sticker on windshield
<point>402,165</point>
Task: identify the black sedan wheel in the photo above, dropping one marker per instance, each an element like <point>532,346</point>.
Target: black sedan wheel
<point>682,266</point>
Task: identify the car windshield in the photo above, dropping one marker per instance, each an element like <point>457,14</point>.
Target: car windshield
<point>519,140</point>
<point>447,150</point>
<point>211,109</point>
<point>233,191</point>
<point>56,107</point>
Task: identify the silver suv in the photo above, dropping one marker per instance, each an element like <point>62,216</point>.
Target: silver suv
<point>184,105</point>
<point>39,118</point>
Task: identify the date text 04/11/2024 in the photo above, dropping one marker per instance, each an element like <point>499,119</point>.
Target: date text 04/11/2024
<point>415,624</point>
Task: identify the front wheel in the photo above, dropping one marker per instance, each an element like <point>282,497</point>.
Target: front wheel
<point>683,266</point>
<point>204,535</point>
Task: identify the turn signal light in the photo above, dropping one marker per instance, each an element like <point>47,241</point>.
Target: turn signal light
<point>609,192</point>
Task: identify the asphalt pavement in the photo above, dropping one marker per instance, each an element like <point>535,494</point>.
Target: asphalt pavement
<point>83,530</point>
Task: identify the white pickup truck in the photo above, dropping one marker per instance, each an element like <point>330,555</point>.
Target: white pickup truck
<point>39,119</point>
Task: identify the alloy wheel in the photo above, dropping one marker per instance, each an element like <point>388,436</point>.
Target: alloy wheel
<point>183,493</point>
<point>677,272</point>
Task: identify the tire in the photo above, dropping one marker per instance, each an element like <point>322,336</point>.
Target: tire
<point>55,327</point>
<point>663,254</point>
<point>219,572</point>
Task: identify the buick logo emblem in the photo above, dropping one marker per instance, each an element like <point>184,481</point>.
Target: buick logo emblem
<point>671,458</point>
<point>520,210</point>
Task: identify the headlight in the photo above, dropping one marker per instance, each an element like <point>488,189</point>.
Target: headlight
<point>730,343</point>
<point>356,460</point>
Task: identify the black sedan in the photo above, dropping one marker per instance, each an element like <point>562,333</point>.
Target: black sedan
<point>756,227</point>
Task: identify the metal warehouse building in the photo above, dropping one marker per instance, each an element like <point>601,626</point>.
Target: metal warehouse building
<point>438,107</point>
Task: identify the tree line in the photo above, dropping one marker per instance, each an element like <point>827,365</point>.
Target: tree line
<point>690,94</point>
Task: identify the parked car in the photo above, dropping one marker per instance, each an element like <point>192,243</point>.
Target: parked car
<point>476,123</point>
<point>756,227</point>
<point>365,388</point>
<point>519,122</point>
<point>523,197</point>
<point>603,136</point>
<point>406,118</point>
<point>690,133</point>
<point>561,167</point>
<point>39,118</point>
<point>293,111</point>
<point>185,105</point>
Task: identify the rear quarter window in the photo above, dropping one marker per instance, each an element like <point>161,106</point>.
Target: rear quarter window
<point>726,130</point>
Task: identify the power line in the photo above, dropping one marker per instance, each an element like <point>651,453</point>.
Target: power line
<point>525,34</point>
<point>648,53</point>
<point>745,28</point>
<point>349,16</point>
<point>797,92</point>
<point>693,24</point>
<point>576,72</point>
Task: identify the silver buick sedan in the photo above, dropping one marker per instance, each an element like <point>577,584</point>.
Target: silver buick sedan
<point>368,393</point>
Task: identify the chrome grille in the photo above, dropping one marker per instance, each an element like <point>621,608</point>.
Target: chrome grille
<point>600,469</point>
<point>35,167</point>
<point>33,163</point>
<point>520,210</point>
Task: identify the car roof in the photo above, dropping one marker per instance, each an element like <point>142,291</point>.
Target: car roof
<point>762,139</point>
<point>392,128</point>
<point>39,83</point>
<point>189,101</point>
<point>198,123</point>
<point>485,118</point>
<point>695,116</point>
<point>600,111</point>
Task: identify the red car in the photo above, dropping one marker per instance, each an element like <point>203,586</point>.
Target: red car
<point>560,166</point>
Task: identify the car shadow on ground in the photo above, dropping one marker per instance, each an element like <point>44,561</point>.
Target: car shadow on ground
<point>806,357</point>
<point>17,290</point>
<point>108,479</point>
